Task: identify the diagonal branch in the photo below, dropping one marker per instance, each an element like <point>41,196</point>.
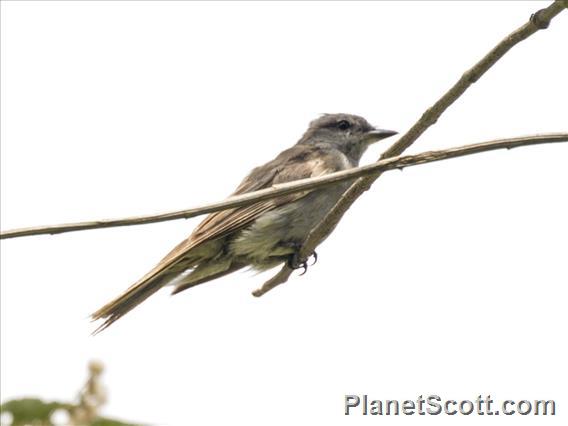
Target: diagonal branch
<point>538,21</point>
<point>297,186</point>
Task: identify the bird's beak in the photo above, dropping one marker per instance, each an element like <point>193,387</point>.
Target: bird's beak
<point>378,134</point>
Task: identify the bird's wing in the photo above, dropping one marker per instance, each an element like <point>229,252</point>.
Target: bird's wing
<point>293,164</point>
<point>298,162</point>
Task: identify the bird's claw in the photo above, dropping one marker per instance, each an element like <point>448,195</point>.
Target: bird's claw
<point>295,263</point>
<point>315,256</point>
<point>304,265</point>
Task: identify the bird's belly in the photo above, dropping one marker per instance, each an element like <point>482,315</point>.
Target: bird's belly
<point>270,239</point>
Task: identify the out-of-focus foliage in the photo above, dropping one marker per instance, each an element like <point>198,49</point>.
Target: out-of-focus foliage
<point>34,411</point>
<point>31,411</point>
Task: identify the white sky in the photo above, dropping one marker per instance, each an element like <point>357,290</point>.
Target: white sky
<point>447,278</point>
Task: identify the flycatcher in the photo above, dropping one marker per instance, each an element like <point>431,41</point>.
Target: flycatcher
<point>265,234</point>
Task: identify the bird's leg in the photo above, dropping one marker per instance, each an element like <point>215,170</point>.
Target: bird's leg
<point>294,261</point>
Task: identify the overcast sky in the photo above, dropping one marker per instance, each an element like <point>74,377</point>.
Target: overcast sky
<point>447,279</point>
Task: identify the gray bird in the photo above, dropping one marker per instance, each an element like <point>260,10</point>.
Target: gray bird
<point>267,233</point>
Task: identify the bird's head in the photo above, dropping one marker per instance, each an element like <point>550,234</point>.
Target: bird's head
<point>348,133</point>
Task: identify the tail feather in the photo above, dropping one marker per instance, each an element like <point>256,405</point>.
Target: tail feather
<point>138,292</point>
<point>124,303</point>
<point>206,266</point>
<point>176,262</point>
<point>193,281</point>
<point>151,283</point>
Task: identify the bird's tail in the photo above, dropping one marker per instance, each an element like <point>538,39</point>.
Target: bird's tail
<point>198,277</point>
<point>124,303</point>
<point>202,272</point>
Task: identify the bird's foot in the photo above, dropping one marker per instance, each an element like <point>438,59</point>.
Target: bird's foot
<point>294,261</point>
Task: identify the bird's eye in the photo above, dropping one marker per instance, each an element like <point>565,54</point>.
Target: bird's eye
<point>344,125</point>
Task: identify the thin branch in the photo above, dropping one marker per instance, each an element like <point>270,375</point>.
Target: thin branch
<point>297,186</point>
<point>538,21</point>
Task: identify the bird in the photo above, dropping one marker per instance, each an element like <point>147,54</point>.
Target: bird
<point>267,233</point>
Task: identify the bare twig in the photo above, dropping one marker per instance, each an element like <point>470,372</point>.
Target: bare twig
<point>539,20</point>
<point>297,186</point>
